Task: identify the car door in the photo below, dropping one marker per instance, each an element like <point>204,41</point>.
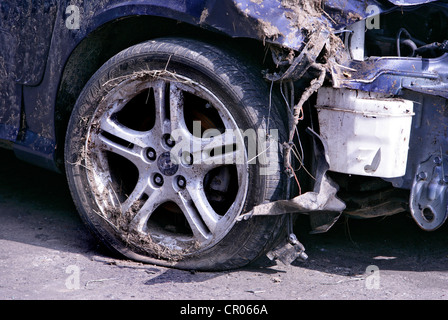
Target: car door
<point>25,35</point>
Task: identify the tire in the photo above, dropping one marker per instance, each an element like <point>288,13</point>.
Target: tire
<point>135,176</point>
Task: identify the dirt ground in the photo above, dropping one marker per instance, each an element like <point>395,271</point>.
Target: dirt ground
<point>46,253</point>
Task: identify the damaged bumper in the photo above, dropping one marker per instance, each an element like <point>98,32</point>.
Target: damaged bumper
<point>333,39</point>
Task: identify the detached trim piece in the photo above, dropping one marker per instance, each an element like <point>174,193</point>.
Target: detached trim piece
<point>321,200</point>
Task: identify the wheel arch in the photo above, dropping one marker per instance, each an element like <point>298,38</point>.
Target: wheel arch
<point>111,38</point>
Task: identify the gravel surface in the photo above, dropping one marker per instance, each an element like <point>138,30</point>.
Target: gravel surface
<point>46,253</point>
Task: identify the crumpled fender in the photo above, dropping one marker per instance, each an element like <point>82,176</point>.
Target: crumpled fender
<point>287,23</point>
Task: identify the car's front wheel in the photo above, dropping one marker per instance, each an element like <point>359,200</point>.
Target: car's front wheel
<point>160,156</point>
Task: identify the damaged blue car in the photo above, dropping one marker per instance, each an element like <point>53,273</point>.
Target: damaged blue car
<point>193,132</point>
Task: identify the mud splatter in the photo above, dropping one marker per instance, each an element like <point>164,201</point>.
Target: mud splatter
<point>269,31</point>
<point>305,14</point>
<point>311,18</point>
<point>204,16</point>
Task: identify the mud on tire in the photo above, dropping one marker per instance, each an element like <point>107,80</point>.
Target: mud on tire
<point>144,196</point>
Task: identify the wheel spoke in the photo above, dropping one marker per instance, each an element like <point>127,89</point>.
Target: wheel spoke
<point>126,135</point>
<point>130,152</point>
<point>210,153</point>
<point>176,97</point>
<point>136,195</point>
<point>162,123</point>
<point>155,199</point>
<point>197,199</point>
<point>200,231</point>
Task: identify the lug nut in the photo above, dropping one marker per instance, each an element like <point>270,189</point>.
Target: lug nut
<point>181,182</point>
<point>169,141</point>
<point>151,154</point>
<point>158,179</point>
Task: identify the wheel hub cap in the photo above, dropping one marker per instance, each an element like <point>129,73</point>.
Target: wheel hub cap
<point>166,166</point>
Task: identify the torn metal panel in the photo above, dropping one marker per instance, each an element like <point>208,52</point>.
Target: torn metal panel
<point>288,23</point>
<point>322,199</point>
<point>305,59</point>
<point>265,20</point>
